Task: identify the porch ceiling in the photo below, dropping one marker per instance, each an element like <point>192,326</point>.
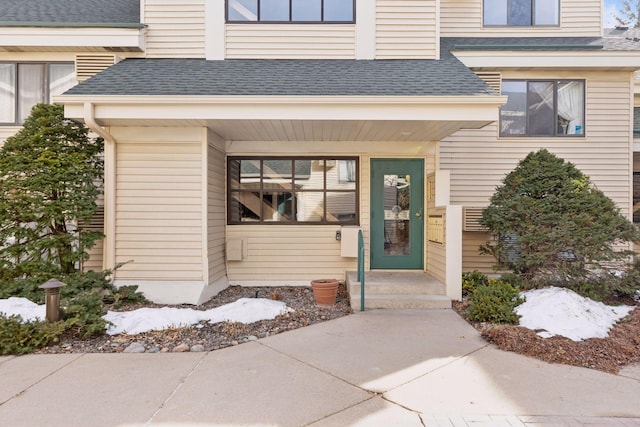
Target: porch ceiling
<point>317,130</point>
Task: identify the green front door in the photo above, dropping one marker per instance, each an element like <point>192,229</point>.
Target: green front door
<point>397,214</point>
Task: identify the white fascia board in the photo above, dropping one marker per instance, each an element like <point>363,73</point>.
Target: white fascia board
<point>475,108</point>
<point>114,38</point>
<point>594,60</point>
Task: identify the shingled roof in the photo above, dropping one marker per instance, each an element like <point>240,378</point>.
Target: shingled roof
<point>614,39</point>
<point>260,77</point>
<point>44,13</point>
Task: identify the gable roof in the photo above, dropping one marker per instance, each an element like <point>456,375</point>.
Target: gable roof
<point>281,77</point>
<point>61,13</point>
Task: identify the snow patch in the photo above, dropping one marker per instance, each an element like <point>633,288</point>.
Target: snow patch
<point>560,311</point>
<point>27,310</point>
<point>244,310</point>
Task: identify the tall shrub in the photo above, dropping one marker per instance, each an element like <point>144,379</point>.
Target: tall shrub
<point>552,224</point>
<point>49,179</point>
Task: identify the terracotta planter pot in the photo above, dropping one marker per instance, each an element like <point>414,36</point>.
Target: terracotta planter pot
<point>325,291</point>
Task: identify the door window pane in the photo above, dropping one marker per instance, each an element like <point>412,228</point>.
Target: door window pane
<point>495,12</point>
<point>7,93</point>
<point>30,88</point>
<point>338,10</point>
<point>546,12</point>
<point>306,10</point>
<point>397,208</point>
<point>243,10</point>
<point>274,10</point>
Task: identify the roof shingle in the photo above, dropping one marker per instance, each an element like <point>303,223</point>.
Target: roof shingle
<point>71,12</point>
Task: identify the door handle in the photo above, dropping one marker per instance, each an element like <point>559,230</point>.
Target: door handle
<point>418,214</point>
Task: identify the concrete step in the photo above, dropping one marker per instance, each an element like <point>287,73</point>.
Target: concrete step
<point>398,288</point>
<point>401,301</point>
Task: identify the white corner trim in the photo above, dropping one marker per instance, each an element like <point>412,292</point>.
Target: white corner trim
<point>215,34</point>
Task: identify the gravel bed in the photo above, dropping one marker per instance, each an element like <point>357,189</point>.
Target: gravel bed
<point>208,337</point>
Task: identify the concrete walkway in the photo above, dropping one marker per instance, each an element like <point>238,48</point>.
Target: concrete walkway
<point>378,368</point>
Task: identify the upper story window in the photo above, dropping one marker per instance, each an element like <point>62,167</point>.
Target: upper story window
<point>302,190</point>
<point>291,11</point>
<point>543,108</point>
<point>523,13</point>
<point>23,85</point>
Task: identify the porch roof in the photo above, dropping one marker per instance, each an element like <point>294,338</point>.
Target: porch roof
<point>283,77</point>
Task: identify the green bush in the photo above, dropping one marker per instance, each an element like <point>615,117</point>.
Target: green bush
<point>553,225</point>
<point>17,337</point>
<point>471,281</point>
<point>495,302</point>
<point>82,301</point>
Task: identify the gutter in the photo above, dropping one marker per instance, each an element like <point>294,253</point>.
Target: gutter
<point>109,252</point>
<point>72,24</point>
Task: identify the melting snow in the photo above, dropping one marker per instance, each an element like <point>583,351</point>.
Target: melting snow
<point>560,311</point>
<point>22,307</point>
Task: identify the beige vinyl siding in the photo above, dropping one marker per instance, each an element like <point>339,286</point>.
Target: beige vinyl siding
<point>406,29</point>
<point>288,253</point>
<point>292,41</point>
<point>95,257</point>
<point>463,18</point>
<point>176,28</point>
<point>478,160</point>
<point>7,131</point>
<point>159,224</point>
<point>216,201</point>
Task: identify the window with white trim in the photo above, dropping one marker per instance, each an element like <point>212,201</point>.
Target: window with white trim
<point>23,85</point>
<point>521,13</point>
<point>292,190</point>
<point>543,108</point>
<point>291,11</point>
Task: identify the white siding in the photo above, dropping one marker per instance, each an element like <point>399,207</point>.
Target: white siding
<point>406,29</point>
<point>159,224</point>
<point>478,160</point>
<point>297,41</point>
<point>463,18</point>
<point>176,28</point>
<point>216,201</point>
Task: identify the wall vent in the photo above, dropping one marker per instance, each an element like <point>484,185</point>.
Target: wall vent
<point>471,218</point>
<point>493,79</point>
<point>95,223</point>
<point>88,65</point>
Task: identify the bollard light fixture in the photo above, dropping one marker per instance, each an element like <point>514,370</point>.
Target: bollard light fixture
<point>52,298</point>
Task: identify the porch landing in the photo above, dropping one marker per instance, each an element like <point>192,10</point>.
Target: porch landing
<point>398,289</point>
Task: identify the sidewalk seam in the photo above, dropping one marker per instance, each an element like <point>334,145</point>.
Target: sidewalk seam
<point>21,392</point>
<point>183,380</point>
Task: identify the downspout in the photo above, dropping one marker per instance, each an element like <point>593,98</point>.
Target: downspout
<point>109,251</point>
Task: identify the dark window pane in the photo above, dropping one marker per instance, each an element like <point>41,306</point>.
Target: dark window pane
<point>341,207</point>
<point>338,10</point>
<point>7,93</point>
<point>513,115</point>
<point>571,108</point>
<point>520,12</point>
<point>495,12</point>
<point>245,207</point>
<point>274,10</point>
<point>306,10</point>
<point>277,206</point>
<point>540,108</point>
<point>547,12</point>
<point>242,10</point>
